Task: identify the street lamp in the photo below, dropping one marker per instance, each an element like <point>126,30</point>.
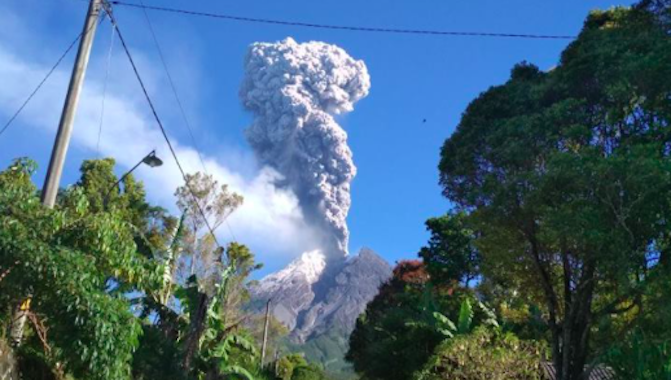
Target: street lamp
<point>150,160</point>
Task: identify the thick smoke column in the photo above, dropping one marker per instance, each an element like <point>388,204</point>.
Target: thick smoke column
<point>294,90</point>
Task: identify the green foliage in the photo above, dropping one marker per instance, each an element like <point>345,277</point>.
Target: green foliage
<point>434,320</point>
<point>101,276</point>
<point>157,356</point>
<point>235,372</point>
<point>641,357</point>
<point>227,348</point>
<point>451,254</point>
<point>399,325</point>
<point>288,364</point>
<point>644,351</point>
<point>66,259</point>
<point>197,306</point>
<point>329,350</point>
<point>309,372</point>
<point>517,312</point>
<point>566,177</point>
<point>489,318</point>
<point>438,322</point>
<point>215,345</point>
<point>407,320</point>
<point>295,367</point>
<point>465,317</point>
<point>484,355</point>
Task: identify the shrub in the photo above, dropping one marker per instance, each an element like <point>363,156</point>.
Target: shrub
<point>485,354</point>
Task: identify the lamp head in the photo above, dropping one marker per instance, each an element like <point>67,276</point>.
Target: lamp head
<point>151,160</point>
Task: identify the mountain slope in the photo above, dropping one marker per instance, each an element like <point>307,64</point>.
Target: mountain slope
<point>342,294</point>
<point>319,300</point>
<point>291,288</point>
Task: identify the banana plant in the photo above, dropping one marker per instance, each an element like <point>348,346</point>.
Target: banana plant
<point>465,321</point>
<point>222,353</point>
<point>218,342</point>
<point>490,317</point>
<point>444,325</point>
<point>437,321</point>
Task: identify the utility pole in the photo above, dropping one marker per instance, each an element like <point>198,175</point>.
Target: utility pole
<point>265,333</point>
<point>53,179</point>
<point>52,182</point>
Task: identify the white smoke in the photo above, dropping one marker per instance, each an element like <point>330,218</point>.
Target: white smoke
<point>294,90</point>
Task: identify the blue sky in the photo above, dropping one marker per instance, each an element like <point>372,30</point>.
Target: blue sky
<point>413,78</point>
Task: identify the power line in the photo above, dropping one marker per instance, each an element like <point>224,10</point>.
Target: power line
<point>342,27</point>
<point>179,103</point>
<point>172,86</point>
<point>32,94</point>
<point>163,131</point>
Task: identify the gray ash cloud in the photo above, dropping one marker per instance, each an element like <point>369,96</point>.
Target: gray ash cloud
<point>294,92</point>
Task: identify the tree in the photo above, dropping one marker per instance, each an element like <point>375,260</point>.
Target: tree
<point>383,345</point>
<point>451,254</point>
<point>403,324</point>
<point>201,199</point>
<point>288,364</point>
<point>308,372</point>
<point>237,292</point>
<point>8,367</point>
<point>70,260</point>
<point>295,367</point>
<point>200,329</point>
<point>566,176</point>
<point>204,204</point>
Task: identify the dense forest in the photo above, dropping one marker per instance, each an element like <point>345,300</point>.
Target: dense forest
<point>554,259</point>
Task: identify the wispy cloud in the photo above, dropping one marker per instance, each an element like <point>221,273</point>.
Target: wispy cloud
<point>270,221</point>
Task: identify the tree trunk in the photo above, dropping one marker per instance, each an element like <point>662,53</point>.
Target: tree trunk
<point>665,259</point>
<point>570,336</point>
<point>552,304</point>
<point>198,322</point>
<point>575,329</point>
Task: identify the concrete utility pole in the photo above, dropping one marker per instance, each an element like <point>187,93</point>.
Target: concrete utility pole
<point>53,179</point>
<point>52,182</point>
<point>265,334</point>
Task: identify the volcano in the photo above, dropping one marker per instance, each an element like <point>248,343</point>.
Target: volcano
<point>319,300</point>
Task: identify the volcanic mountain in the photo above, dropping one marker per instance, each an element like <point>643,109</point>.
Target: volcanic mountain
<point>319,300</point>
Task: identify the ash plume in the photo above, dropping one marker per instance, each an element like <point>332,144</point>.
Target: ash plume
<point>294,91</point>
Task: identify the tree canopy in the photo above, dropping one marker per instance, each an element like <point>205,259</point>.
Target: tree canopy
<point>566,176</point>
<point>451,254</point>
<point>70,260</point>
